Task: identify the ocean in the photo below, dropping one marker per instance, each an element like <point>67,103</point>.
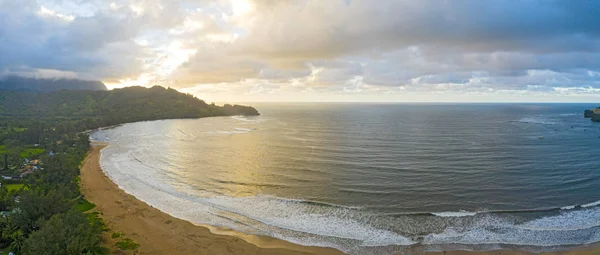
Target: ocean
<point>374,178</point>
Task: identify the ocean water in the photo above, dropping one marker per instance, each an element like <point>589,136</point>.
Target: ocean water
<point>374,178</point>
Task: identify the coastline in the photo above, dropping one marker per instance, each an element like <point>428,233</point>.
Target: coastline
<point>589,249</point>
<point>160,233</point>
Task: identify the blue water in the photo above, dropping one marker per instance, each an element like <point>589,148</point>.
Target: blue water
<point>375,178</point>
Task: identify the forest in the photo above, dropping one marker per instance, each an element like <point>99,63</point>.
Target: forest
<point>20,83</point>
<point>42,145</point>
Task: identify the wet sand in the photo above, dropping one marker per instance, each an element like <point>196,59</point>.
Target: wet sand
<point>160,233</point>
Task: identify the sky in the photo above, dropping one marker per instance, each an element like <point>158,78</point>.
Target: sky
<point>307,50</point>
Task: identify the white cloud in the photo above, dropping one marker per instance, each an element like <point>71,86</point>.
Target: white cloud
<point>319,49</point>
<point>45,12</point>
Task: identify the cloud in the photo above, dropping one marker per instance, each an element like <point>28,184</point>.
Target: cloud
<point>93,40</point>
<point>263,48</point>
<point>425,45</point>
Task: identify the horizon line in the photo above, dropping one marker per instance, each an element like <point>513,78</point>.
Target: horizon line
<point>412,102</point>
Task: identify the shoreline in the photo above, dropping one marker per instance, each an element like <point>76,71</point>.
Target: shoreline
<point>161,233</point>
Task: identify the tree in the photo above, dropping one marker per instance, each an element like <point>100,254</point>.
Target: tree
<point>68,233</point>
<point>36,206</point>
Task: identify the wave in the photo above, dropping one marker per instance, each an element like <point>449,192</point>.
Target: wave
<point>245,118</point>
<point>278,217</point>
<point>351,228</point>
<point>310,221</point>
<point>249,184</point>
<point>591,204</point>
<point>232,132</point>
<point>290,218</point>
<point>454,214</point>
<point>530,120</point>
<point>570,221</point>
<point>311,202</point>
<point>368,192</point>
<point>262,213</point>
<point>463,213</point>
<point>569,114</point>
<point>567,227</point>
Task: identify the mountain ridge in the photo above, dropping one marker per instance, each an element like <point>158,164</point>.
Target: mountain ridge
<point>95,109</point>
<point>20,83</point>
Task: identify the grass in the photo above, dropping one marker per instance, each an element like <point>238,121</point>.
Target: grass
<point>84,205</point>
<point>116,235</point>
<point>19,129</point>
<point>3,149</point>
<point>31,152</point>
<point>127,244</point>
<point>14,186</point>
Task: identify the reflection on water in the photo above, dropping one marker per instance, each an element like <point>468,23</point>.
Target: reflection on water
<point>369,178</point>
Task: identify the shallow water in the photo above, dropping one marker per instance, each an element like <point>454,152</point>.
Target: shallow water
<point>373,178</point>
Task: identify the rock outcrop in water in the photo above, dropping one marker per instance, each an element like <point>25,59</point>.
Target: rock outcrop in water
<point>587,113</point>
<point>593,114</point>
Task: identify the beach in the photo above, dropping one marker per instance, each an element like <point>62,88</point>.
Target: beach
<point>160,233</point>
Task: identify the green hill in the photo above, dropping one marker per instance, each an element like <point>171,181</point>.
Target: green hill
<point>45,85</point>
<point>115,106</point>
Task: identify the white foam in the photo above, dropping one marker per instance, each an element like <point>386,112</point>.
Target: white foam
<point>297,138</point>
<point>591,204</point>
<point>288,219</point>
<point>534,120</point>
<point>309,223</point>
<point>569,207</point>
<point>570,228</point>
<point>454,214</point>
<point>566,221</point>
<point>243,118</point>
<point>314,219</point>
<point>234,131</point>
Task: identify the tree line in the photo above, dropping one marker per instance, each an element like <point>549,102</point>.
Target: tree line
<point>47,214</point>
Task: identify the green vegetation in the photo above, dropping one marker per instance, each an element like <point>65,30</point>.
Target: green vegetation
<point>31,152</point>
<point>84,205</point>
<point>105,108</point>
<point>116,235</point>
<point>14,186</point>
<point>45,211</point>
<point>127,244</point>
<point>66,233</point>
<point>12,82</point>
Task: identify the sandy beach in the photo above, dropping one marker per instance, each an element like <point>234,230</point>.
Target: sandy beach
<point>160,233</point>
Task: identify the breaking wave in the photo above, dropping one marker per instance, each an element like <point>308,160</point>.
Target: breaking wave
<point>358,215</point>
<point>347,227</point>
